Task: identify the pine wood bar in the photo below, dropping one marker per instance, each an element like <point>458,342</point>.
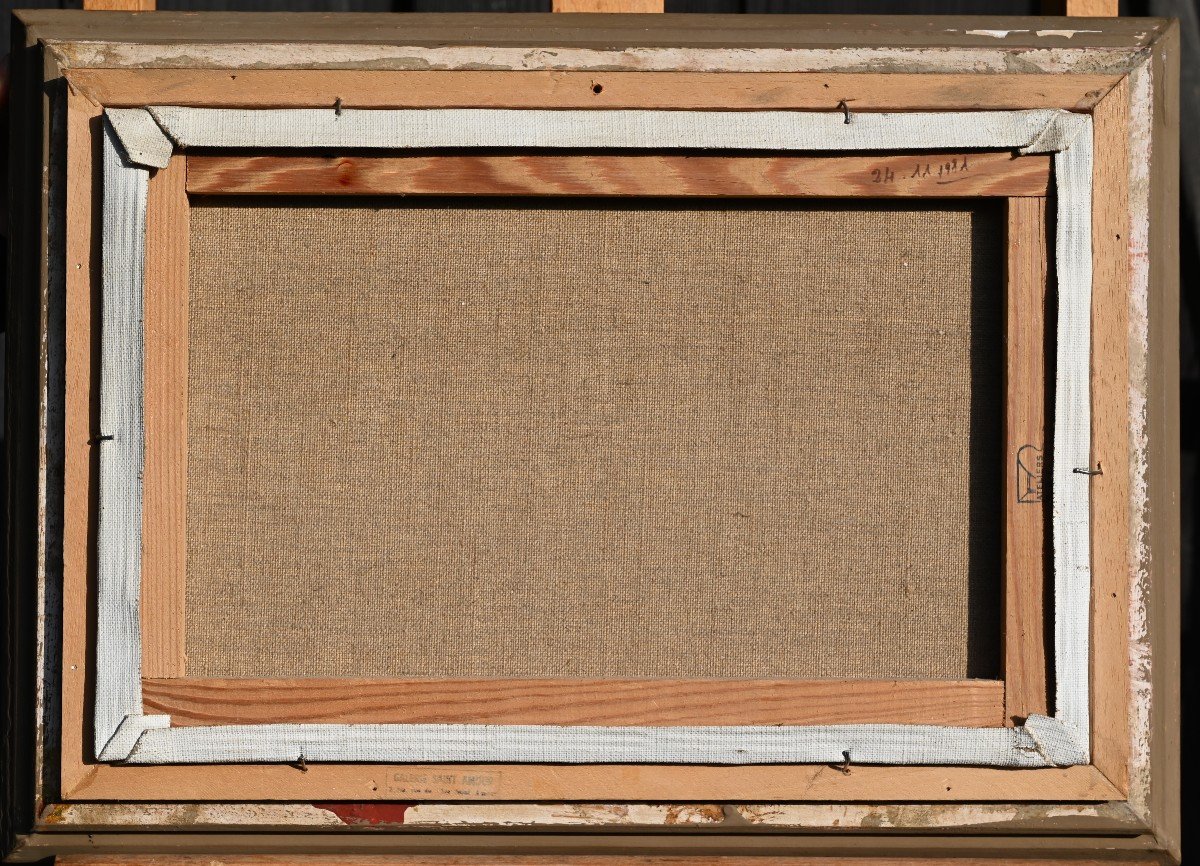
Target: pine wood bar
<point>164,536</point>
<point>966,703</point>
<point>942,175</point>
<point>1024,549</point>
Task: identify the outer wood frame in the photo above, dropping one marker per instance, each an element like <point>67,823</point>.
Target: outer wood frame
<point>865,783</point>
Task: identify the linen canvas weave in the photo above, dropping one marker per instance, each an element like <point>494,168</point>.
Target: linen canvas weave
<point>594,439</point>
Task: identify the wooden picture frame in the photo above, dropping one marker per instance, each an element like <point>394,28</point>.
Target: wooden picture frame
<point>1122,795</point>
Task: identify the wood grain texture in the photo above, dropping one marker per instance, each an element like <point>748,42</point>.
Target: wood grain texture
<point>284,88</point>
<point>598,782</point>
<point>1081,8</point>
<point>1092,8</point>
<point>970,703</point>
<point>607,6</point>
<point>1112,537</point>
<point>120,5</point>
<point>942,175</point>
<point>81,409</point>
<point>1024,550</point>
<point>164,538</point>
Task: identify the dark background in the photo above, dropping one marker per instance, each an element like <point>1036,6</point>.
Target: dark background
<point>1185,10</point>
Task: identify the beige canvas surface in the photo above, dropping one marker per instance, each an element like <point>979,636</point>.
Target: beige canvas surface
<point>589,439</point>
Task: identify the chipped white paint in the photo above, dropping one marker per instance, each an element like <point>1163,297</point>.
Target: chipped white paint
<point>190,815</point>
<point>1141,121</point>
<point>995,34</point>
<point>399,57</point>
<point>831,817</point>
<point>1067,34</point>
<point>41,704</point>
<point>1003,34</point>
<point>560,814</point>
<point>813,816</point>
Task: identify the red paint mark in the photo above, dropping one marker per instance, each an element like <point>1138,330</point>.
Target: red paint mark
<point>367,813</point>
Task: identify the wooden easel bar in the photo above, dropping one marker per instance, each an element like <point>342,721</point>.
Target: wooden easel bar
<point>941,175</point>
<point>120,5</point>
<point>1082,8</point>
<point>966,703</point>
<point>608,5</point>
<point>1024,551</point>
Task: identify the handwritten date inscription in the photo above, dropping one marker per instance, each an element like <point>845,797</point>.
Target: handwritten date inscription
<point>921,170</point>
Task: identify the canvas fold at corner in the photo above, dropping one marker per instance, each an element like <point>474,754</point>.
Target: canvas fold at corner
<point>127,734</point>
<point>143,139</point>
<point>1057,741</point>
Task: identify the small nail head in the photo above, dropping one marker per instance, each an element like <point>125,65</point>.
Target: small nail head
<point>845,766</point>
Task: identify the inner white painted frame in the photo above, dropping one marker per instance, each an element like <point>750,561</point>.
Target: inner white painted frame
<point>141,138</point>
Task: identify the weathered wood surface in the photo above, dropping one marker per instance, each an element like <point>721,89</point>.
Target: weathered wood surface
<point>608,32</point>
<point>1112,538</point>
<point>762,91</point>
